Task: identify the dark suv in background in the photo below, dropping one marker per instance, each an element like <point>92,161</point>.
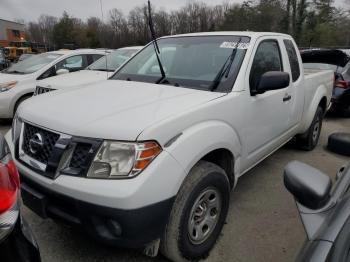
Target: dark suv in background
<point>339,62</point>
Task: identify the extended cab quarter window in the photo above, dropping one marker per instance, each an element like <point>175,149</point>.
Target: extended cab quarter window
<point>267,58</point>
<point>293,59</point>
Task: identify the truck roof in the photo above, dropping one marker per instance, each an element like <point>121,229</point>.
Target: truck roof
<point>240,33</point>
<point>78,51</point>
<point>131,48</point>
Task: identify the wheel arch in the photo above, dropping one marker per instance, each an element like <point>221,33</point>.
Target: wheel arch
<point>223,158</point>
<point>212,141</point>
<point>321,99</point>
<point>323,104</point>
<point>20,99</point>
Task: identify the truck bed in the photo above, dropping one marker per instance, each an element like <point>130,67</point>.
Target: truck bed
<point>315,79</point>
<point>308,72</point>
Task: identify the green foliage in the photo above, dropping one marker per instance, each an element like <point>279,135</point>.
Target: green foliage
<point>63,31</point>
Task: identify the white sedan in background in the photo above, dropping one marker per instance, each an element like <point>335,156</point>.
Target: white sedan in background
<point>18,82</point>
<point>100,70</point>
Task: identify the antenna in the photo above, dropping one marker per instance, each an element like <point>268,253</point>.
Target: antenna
<point>155,43</point>
<point>105,49</point>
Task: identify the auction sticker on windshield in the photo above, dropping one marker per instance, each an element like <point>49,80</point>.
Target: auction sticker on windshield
<point>234,45</point>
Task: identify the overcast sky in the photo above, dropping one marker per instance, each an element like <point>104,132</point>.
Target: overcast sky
<point>32,9</point>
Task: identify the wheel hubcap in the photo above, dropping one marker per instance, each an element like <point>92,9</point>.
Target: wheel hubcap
<point>316,131</point>
<point>204,215</point>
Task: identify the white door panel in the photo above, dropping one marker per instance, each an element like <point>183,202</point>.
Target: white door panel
<point>268,113</point>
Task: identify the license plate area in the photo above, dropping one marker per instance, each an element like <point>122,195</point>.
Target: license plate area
<point>34,200</point>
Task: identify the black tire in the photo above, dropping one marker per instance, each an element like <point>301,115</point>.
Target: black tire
<point>19,101</point>
<point>308,141</point>
<point>339,143</point>
<point>204,179</point>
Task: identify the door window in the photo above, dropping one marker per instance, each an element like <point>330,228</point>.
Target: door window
<point>73,63</point>
<point>293,59</point>
<point>267,58</point>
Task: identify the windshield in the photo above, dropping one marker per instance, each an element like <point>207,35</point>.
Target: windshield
<point>114,60</point>
<point>24,56</point>
<point>32,64</point>
<point>190,62</point>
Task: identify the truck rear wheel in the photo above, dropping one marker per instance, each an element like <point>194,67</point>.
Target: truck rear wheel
<point>198,214</point>
<point>309,140</point>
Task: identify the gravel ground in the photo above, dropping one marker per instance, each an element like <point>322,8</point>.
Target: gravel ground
<point>262,224</point>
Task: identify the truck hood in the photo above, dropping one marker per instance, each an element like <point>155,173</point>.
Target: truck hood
<point>111,109</point>
<point>82,77</point>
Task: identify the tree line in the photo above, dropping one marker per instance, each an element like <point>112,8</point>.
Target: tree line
<point>316,23</point>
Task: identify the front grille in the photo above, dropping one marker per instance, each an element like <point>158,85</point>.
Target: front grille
<point>53,153</point>
<point>42,90</point>
<point>80,156</point>
<point>49,141</point>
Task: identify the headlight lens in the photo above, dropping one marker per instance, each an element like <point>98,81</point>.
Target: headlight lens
<point>7,86</point>
<point>122,160</point>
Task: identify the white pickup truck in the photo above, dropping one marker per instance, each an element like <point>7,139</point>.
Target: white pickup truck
<point>147,159</point>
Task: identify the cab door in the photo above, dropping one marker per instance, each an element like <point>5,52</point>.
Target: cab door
<point>267,114</point>
<point>296,90</point>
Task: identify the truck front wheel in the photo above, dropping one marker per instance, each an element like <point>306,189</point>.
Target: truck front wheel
<point>309,140</point>
<point>198,214</point>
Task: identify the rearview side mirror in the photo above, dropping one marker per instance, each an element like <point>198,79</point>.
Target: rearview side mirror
<point>272,80</point>
<point>310,187</point>
<point>62,71</point>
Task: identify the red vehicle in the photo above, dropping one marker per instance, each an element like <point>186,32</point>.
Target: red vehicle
<point>16,240</point>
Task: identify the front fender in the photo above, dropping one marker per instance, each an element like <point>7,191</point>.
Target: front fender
<point>200,139</point>
<point>14,95</point>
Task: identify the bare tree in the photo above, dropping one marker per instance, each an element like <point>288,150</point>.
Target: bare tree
<point>317,21</point>
<point>46,25</point>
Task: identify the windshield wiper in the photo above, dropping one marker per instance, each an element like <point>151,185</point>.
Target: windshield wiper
<point>225,70</point>
<point>102,69</point>
<point>154,42</point>
<point>167,82</point>
<point>14,72</point>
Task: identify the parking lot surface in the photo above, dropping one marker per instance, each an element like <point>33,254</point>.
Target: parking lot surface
<point>262,224</point>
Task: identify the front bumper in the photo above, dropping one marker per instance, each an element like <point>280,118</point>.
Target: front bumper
<point>5,105</point>
<point>125,228</point>
<point>127,212</point>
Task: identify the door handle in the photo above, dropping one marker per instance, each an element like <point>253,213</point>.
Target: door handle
<point>287,97</point>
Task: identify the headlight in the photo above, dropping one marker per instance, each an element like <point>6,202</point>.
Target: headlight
<point>16,127</point>
<point>122,159</point>
<point>7,86</point>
